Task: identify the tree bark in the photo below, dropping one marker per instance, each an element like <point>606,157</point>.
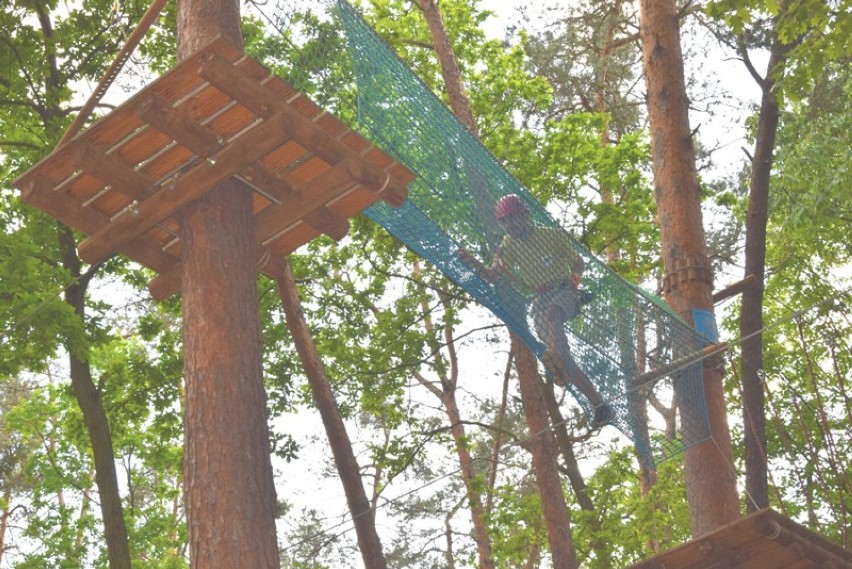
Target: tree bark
<point>556,514</point>
<point>229,487</point>
<point>4,521</point>
<point>477,513</point>
<point>710,482</point>
<point>571,469</point>
<point>228,480</point>
<point>88,397</point>
<point>751,316</point>
<point>449,65</point>
<point>350,474</point>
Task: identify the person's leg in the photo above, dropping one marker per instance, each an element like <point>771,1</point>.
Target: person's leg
<point>550,327</point>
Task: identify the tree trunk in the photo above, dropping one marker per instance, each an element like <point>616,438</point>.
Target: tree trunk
<point>461,107</point>
<point>571,469</point>
<point>710,482</point>
<point>544,455</point>
<point>477,513</point>
<point>449,65</point>
<point>751,317</point>
<point>543,448</point>
<point>4,521</point>
<point>230,494</point>
<point>94,416</point>
<point>350,474</point>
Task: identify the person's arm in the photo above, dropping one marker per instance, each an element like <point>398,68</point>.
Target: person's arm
<point>489,274</point>
<point>577,268</point>
<point>570,256</point>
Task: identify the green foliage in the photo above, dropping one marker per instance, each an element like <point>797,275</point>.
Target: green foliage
<point>627,521</point>
<point>588,53</point>
<point>811,189</point>
<point>817,31</point>
<point>517,524</point>
<point>807,258</point>
<point>377,321</point>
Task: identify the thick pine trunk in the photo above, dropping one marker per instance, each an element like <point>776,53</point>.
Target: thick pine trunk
<point>230,497</point>
<point>710,480</point>
<point>229,488</point>
<point>88,397</point>
<point>350,474</point>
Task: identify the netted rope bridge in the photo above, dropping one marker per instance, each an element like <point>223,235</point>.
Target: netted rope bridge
<point>629,343</point>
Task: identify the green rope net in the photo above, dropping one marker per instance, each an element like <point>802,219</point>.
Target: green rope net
<point>613,346</point>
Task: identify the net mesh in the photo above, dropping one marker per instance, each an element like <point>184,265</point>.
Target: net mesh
<point>615,347</point>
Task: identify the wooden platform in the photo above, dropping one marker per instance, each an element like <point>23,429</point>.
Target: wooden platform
<point>763,540</point>
<point>217,115</point>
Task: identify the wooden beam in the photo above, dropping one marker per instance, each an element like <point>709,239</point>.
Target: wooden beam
<point>715,555</point>
<point>378,181</point>
<point>161,115</point>
<point>313,194</point>
<point>734,289</point>
<point>255,143</point>
<point>772,530</point>
<point>188,133</point>
<point>681,362</point>
<point>268,182</point>
<point>112,172</point>
<point>84,219</point>
<point>264,102</point>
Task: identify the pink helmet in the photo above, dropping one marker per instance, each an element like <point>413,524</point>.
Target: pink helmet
<point>509,205</point>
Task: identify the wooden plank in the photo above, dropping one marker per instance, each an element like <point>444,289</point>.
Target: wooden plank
<point>124,121</point>
<point>140,147</point>
<point>734,289</point>
<point>198,181</point>
<point>112,172</point>
<point>314,194</point>
<point>306,170</point>
<point>379,181</point>
<point>177,83</point>
<point>762,539</point>
<point>676,365</point>
<point>200,140</point>
<point>268,182</point>
<point>292,238</point>
<point>717,554</point>
<point>263,102</point>
<point>287,154</point>
<point>175,124</point>
<point>86,220</point>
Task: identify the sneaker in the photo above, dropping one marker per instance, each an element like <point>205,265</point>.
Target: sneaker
<point>585,297</point>
<point>604,415</point>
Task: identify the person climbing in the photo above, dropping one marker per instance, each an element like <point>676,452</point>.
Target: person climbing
<point>543,260</point>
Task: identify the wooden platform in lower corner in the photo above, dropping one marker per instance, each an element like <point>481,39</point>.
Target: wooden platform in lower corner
<point>763,540</point>
<point>215,116</point>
